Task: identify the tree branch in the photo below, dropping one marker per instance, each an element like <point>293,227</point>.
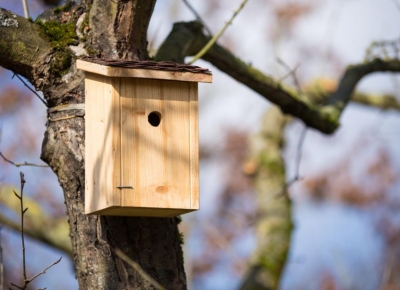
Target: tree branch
<point>214,39</point>
<point>49,230</point>
<point>354,74</point>
<point>21,164</point>
<point>384,102</point>
<point>22,48</point>
<point>186,39</point>
<point>273,220</point>
<point>119,38</point>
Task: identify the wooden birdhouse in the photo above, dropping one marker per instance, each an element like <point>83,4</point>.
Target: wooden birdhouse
<point>141,124</point>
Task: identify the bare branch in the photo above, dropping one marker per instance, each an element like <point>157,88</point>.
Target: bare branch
<point>139,269</point>
<point>22,48</point>
<point>186,39</point>
<point>53,231</point>
<point>386,49</point>
<point>197,15</point>
<point>299,151</point>
<point>292,72</point>
<point>384,102</point>
<point>1,263</point>
<point>22,229</point>
<point>26,85</point>
<point>44,271</point>
<point>46,229</point>
<point>26,9</point>
<point>21,164</point>
<point>214,39</point>
<point>354,74</point>
<point>22,212</point>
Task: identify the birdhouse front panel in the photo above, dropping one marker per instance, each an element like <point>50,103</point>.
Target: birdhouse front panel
<point>157,118</point>
<point>141,141</point>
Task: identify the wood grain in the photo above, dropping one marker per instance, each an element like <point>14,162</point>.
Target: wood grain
<point>194,146</point>
<point>156,164</point>
<point>141,211</point>
<point>156,160</point>
<point>102,147</point>
<point>142,73</point>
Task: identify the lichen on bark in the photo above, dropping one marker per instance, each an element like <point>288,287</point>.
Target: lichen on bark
<point>7,21</point>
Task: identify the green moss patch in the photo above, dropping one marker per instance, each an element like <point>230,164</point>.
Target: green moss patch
<point>60,36</point>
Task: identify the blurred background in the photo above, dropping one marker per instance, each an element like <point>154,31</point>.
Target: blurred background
<point>345,207</point>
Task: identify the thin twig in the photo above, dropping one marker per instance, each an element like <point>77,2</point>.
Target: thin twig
<point>218,35</point>
<point>139,269</point>
<point>26,9</point>
<point>299,151</point>
<point>23,211</point>
<point>386,49</point>
<point>297,176</point>
<point>197,15</point>
<point>44,271</point>
<point>1,263</point>
<point>21,164</point>
<point>26,85</point>
<point>291,72</point>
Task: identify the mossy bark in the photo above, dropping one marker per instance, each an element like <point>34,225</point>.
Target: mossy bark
<point>274,223</point>
<point>187,38</point>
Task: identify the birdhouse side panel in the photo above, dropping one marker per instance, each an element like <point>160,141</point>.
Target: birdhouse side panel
<point>156,152</point>
<point>103,142</point>
<point>194,146</point>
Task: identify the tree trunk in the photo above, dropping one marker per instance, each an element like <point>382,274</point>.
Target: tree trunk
<point>39,52</point>
<point>274,222</point>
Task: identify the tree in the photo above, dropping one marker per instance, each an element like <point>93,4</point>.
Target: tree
<point>44,59</point>
<point>44,52</point>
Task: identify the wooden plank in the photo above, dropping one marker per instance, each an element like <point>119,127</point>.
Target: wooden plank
<point>102,139</point>
<point>94,85</point>
<point>156,160</point>
<point>194,146</point>
<point>129,154</point>
<point>146,212</point>
<point>142,73</point>
<point>115,159</point>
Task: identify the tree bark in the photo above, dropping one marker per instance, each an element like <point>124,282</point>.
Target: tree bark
<point>187,38</point>
<point>273,220</point>
<point>117,30</point>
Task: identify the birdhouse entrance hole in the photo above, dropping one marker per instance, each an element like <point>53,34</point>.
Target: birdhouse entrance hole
<point>132,169</point>
<point>154,118</point>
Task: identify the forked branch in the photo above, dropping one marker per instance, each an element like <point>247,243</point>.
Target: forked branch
<point>23,211</point>
<point>187,39</point>
<point>21,164</point>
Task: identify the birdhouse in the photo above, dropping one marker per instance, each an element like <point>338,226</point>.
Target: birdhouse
<point>141,126</point>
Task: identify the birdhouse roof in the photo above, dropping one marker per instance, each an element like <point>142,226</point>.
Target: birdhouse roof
<point>166,70</point>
